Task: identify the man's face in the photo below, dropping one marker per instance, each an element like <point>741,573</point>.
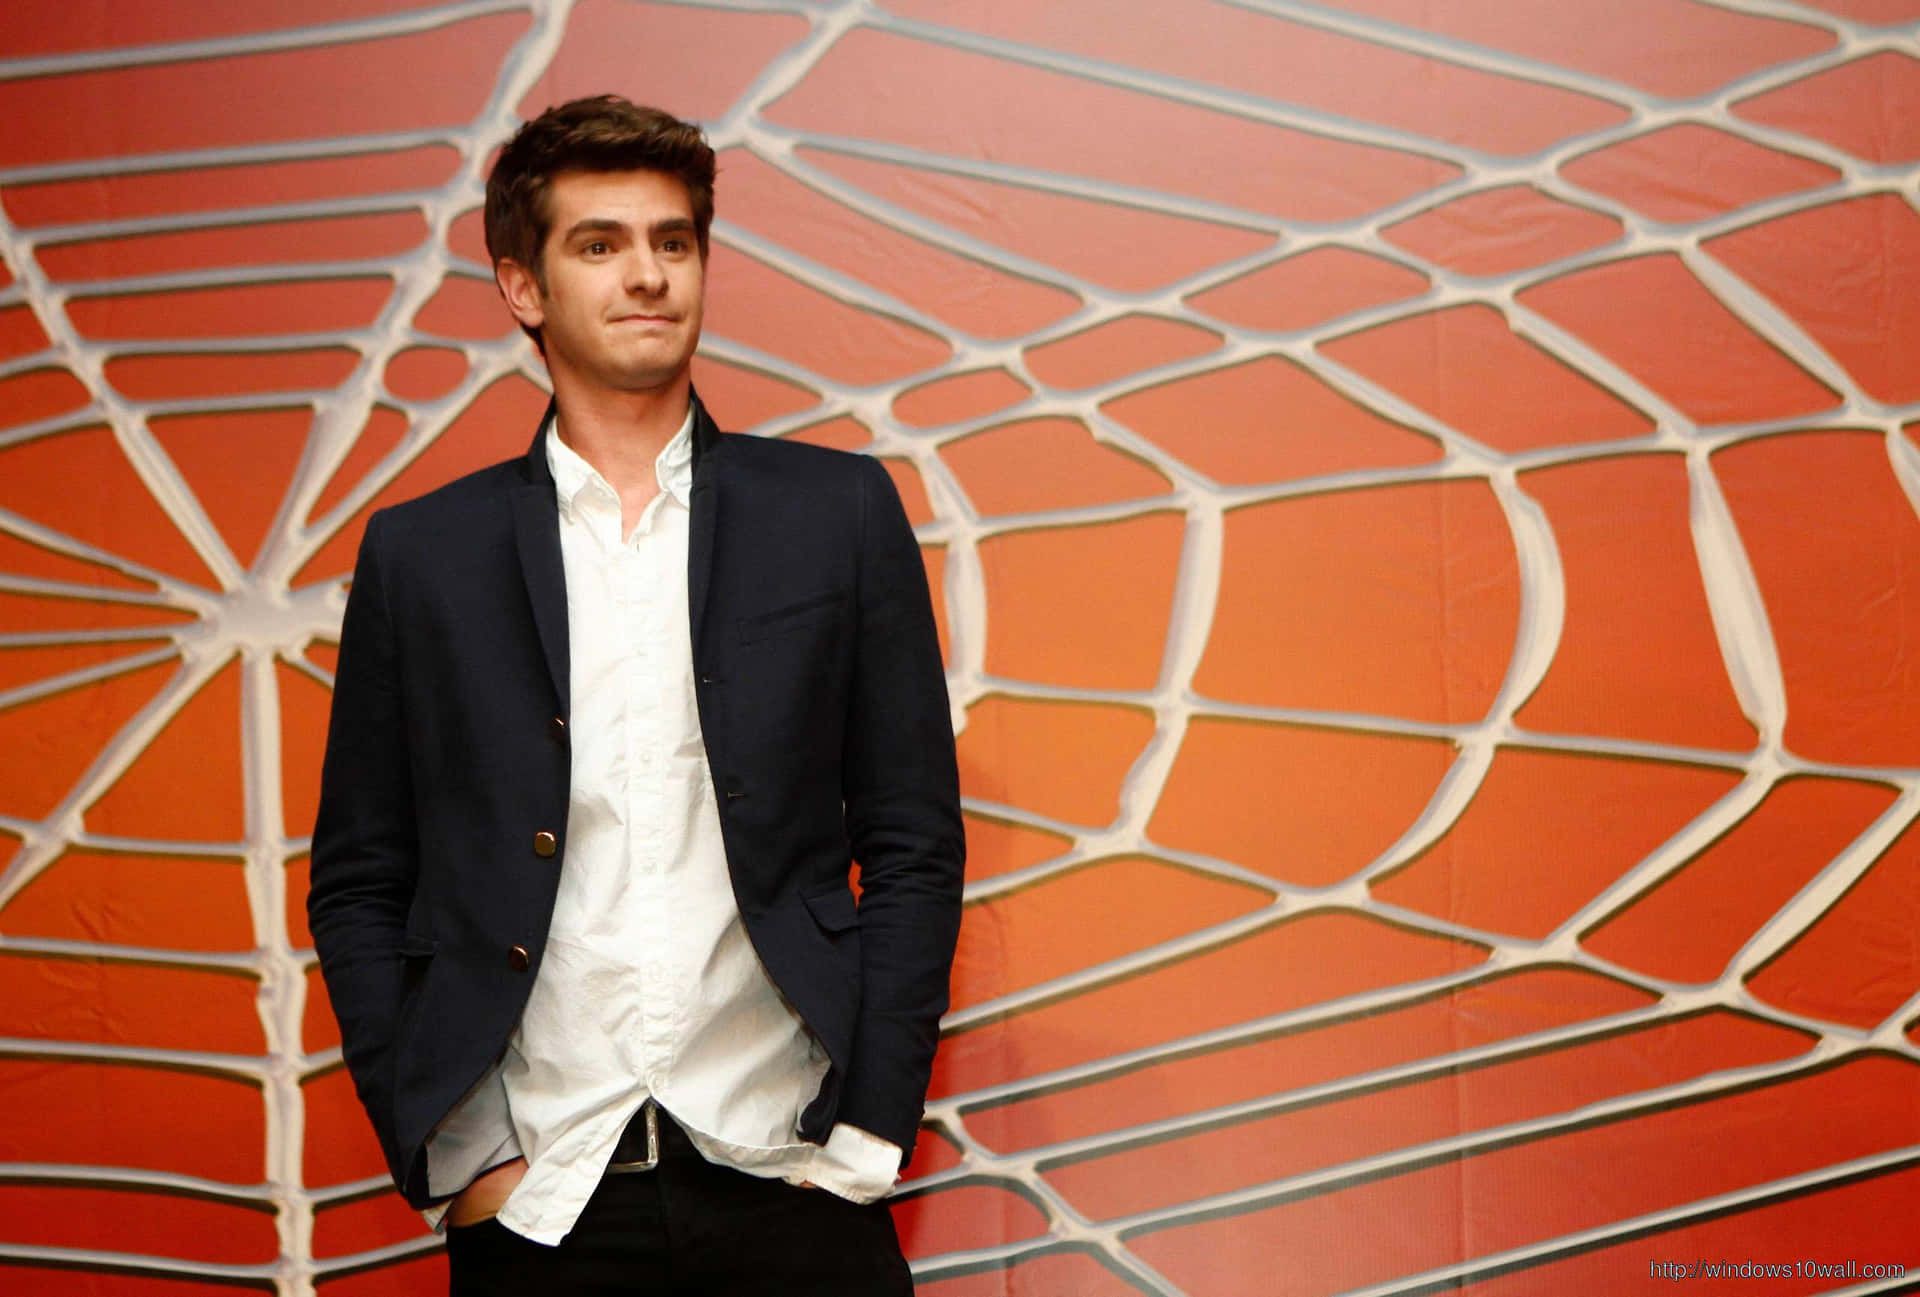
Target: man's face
<point>621,307</point>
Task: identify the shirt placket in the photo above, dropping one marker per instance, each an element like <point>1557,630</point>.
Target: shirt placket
<point>646,831</point>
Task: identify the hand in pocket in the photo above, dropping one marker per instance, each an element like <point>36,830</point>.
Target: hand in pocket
<point>483,1199</point>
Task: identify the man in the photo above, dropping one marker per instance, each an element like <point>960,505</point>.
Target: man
<point>610,724</point>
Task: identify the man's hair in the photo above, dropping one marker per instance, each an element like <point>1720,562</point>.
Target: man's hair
<point>600,133</point>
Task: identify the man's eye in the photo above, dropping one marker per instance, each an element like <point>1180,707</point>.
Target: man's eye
<point>598,248</point>
<point>673,245</point>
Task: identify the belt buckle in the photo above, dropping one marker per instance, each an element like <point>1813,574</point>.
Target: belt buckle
<point>651,1110</point>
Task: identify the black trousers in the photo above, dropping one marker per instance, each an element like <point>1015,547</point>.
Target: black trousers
<point>688,1228</point>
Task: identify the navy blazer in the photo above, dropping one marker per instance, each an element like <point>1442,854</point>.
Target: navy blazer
<point>824,711</point>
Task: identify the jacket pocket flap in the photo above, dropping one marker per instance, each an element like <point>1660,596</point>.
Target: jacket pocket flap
<point>833,910</point>
<point>792,616</point>
<point>416,947</point>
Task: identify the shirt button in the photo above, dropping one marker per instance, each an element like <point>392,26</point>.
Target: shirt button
<point>557,729</point>
<point>545,844</point>
<point>518,959</point>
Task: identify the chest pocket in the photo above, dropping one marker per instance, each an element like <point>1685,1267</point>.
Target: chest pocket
<point>793,616</point>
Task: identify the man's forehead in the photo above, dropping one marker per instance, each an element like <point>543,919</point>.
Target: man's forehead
<point>620,196</point>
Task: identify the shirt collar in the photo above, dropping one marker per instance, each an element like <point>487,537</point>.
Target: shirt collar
<point>572,474</point>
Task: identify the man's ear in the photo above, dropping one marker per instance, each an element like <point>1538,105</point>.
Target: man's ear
<point>522,292</point>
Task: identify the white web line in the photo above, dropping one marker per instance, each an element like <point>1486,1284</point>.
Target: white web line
<point>257,617</point>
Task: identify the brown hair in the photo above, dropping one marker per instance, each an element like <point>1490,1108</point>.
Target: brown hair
<point>600,133</point>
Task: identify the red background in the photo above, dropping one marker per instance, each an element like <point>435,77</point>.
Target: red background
<point>1420,497</point>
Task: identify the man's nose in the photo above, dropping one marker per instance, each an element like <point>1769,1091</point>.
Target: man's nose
<point>645,274</point>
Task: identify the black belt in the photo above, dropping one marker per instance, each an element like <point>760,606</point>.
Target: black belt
<point>650,1137</point>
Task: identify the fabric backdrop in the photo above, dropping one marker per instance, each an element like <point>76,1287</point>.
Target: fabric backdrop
<point>1420,496</point>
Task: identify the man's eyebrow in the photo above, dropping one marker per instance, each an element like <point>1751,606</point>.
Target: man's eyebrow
<point>608,225</point>
<point>596,225</point>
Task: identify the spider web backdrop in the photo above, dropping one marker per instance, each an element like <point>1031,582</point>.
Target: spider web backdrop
<point>1419,496</point>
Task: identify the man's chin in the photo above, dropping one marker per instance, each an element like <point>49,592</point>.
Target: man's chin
<point>629,373</point>
<point>646,378</point>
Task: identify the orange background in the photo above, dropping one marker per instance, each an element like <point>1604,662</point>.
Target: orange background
<point>1420,497</point>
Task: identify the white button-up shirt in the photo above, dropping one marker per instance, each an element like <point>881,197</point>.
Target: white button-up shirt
<point>649,984</point>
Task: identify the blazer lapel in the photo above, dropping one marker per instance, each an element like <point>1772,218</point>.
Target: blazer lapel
<point>703,504</point>
<point>536,526</point>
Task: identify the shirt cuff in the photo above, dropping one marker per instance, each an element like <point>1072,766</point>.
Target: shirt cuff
<point>853,1164</point>
<point>474,1138</point>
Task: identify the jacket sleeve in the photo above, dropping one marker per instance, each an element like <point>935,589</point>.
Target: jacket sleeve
<point>365,852</point>
<point>901,788</point>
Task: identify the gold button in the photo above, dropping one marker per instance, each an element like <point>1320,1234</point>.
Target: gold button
<point>545,844</point>
<point>518,959</point>
<point>557,729</point>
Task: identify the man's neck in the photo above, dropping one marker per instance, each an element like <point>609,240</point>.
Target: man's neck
<point>622,433</point>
